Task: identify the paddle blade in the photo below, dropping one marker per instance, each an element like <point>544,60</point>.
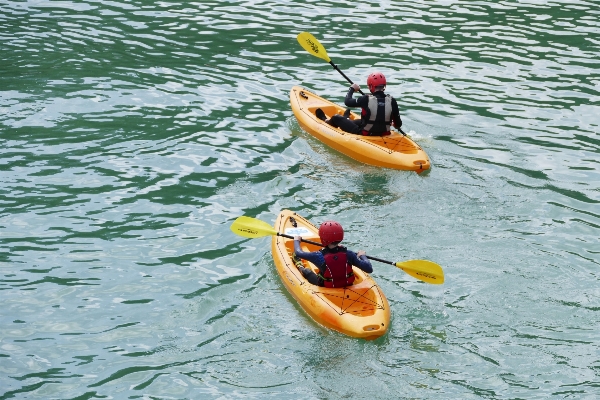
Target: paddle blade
<point>312,45</point>
<point>252,228</point>
<point>424,270</point>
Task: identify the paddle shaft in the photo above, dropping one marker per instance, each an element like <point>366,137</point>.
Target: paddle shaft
<point>423,270</point>
<point>344,75</point>
<point>320,244</point>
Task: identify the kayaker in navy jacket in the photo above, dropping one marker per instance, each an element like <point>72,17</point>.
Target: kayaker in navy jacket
<point>379,111</point>
<point>334,261</point>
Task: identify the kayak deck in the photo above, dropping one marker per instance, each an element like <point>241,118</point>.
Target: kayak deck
<point>395,151</point>
<point>360,310</point>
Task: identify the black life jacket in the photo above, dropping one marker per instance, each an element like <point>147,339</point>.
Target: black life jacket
<point>338,272</point>
<point>380,117</point>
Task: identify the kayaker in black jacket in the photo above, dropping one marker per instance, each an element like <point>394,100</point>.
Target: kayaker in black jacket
<point>379,111</point>
<point>334,261</point>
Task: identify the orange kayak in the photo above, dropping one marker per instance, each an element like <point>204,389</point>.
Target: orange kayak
<point>360,310</point>
<point>395,151</point>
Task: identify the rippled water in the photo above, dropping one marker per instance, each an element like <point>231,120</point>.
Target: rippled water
<point>133,133</point>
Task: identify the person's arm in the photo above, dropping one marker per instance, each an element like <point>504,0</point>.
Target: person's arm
<point>360,260</point>
<point>315,257</point>
<point>349,101</point>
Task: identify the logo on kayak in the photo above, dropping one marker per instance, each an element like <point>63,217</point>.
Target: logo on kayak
<point>301,231</point>
<point>327,130</point>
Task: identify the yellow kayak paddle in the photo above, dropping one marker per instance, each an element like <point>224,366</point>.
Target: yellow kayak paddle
<point>314,47</point>
<point>426,271</point>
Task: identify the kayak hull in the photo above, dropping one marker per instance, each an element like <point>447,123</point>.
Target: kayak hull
<point>395,151</point>
<point>360,310</point>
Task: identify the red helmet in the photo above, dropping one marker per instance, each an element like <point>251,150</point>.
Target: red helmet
<point>331,231</point>
<point>374,80</point>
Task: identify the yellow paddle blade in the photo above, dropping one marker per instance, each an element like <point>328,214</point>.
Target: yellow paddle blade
<point>427,271</point>
<point>312,45</point>
<point>252,228</point>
